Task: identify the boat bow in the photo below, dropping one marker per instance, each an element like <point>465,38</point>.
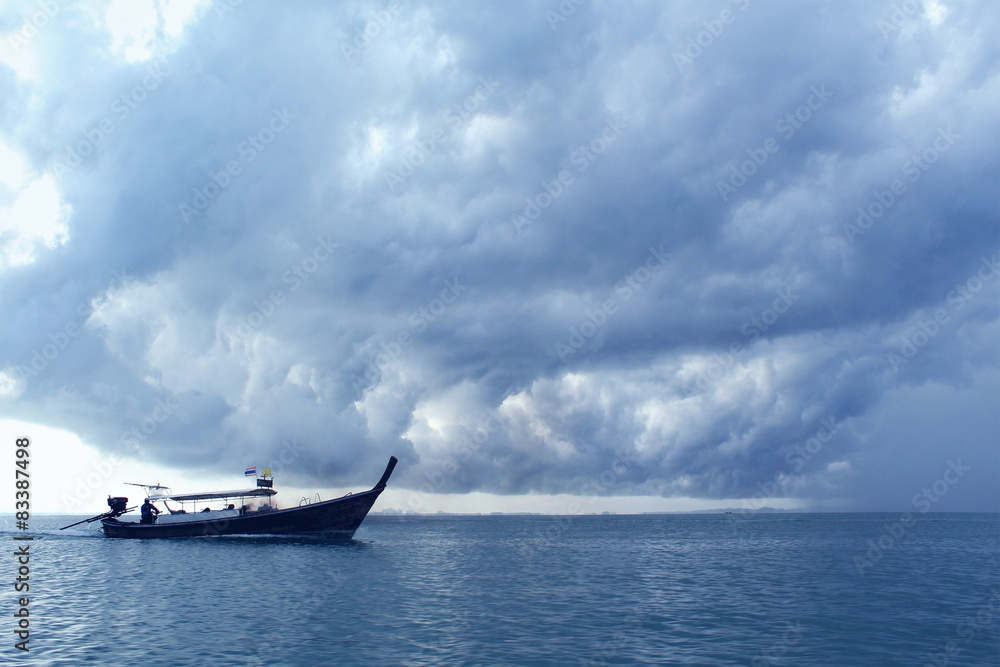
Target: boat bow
<point>385,476</point>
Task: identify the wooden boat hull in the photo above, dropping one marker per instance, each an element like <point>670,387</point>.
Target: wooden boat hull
<point>338,518</point>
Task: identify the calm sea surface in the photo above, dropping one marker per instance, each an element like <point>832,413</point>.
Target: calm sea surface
<point>788,589</point>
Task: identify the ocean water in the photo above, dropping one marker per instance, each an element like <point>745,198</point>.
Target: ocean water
<point>780,589</point>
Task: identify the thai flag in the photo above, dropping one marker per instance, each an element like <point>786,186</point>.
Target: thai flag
<point>250,472</point>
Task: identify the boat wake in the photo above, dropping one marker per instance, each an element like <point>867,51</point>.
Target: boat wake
<point>287,538</point>
<point>72,533</point>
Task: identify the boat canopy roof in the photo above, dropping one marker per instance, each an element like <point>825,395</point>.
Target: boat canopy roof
<point>213,495</point>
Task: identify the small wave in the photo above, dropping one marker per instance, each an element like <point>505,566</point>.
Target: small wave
<point>73,533</point>
<point>287,538</point>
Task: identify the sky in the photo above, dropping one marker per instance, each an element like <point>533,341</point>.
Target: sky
<point>555,256</point>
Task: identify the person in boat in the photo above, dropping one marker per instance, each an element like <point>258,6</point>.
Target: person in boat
<point>149,512</point>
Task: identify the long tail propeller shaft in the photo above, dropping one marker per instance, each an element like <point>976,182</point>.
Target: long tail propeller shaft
<point>106,515</point>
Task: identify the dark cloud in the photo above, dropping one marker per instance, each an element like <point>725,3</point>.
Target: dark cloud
<point>521,253</point>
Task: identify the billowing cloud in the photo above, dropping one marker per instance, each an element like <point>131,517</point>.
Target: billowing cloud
<point>689,250</point>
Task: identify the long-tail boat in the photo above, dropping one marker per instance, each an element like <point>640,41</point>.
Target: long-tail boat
<point>337,518</point>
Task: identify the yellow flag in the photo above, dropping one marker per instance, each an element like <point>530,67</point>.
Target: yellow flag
<point>267,472</point>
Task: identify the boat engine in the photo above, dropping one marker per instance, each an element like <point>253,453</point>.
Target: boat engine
<point>117,505</point>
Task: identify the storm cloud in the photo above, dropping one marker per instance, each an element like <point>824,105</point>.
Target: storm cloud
<point>708,250</point>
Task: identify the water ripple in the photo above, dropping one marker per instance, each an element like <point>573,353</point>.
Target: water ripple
<point>705,589</point>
